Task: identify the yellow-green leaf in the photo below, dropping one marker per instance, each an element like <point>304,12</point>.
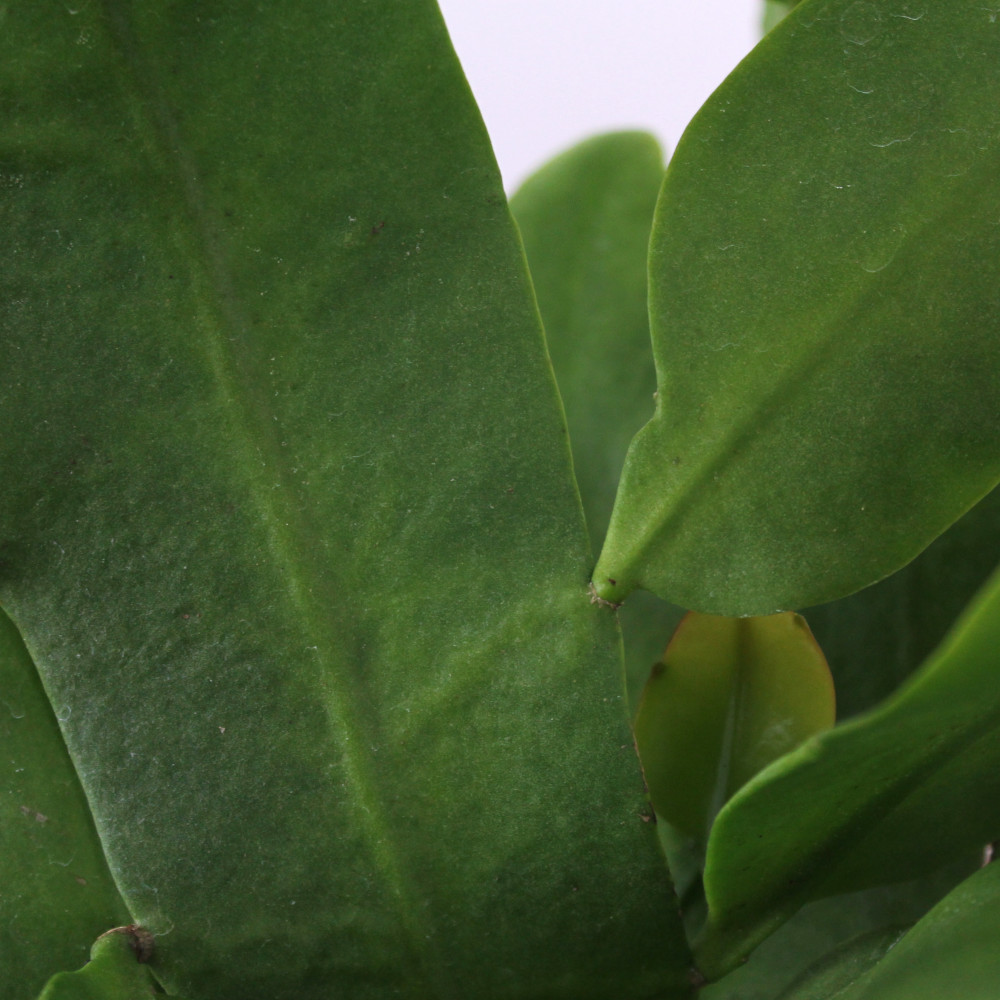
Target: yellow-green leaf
<point>729,696</point>
<point>889,796</point>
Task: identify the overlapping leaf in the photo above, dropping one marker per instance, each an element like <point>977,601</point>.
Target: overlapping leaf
<point>56,894</point>
<point>585,219</point>
<point>887,797</point>
<point>837,939</point>
<point>875,639</point>
<point>951,952</point>
<point>823,274</point>
<point>287,514</point>
<point>729,696</point>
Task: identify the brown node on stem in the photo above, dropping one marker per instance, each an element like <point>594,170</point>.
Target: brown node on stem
<point>140,940</point>
<point>595,598</point>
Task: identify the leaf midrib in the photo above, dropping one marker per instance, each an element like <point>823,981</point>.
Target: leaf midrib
<point>670,507</point>
<point>290,532</point>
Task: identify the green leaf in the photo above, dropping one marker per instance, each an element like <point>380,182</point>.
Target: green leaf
<point>729,696</point>
<point>949,952</point>
<point>837,971</point>
<point>585,219</point>
<point>823,266</point>
<point>952,952</point>
<point>288,516</point>
<point>834,940</point>
<point>57,893</point>
<point>114,972</point>
<point>889,796</point>
<point>876,638</point>
<point>775,11</point>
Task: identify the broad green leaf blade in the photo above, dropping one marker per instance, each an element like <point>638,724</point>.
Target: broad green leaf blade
<point>288,517</point>
<point>876,638</point>
<point>114,972</point>
<point>952,952</point>
<point>57,894</point>
<point>824,313</point>
<point>886,797</point>
<point>729,696</point>
<point>585,219</point>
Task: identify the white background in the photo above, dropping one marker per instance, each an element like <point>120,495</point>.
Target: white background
<point>547,73</point>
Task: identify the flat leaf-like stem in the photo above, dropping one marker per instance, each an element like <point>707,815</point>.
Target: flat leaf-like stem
<point>585,219</point>
<point>728,697</point>
<point>887,797</point>
<point>823,273</point>
<point>950,952</point>
<point>288,517</point>
<point>835,940</point>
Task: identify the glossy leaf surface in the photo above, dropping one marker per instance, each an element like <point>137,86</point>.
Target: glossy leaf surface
<point>823,273</point>
<point>889,796</point>
<point>585,219</point>
<point>288,517</point>
<point>729,696</point>
<point>57,894</point>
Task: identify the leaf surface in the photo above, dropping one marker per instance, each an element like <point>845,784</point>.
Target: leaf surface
<point>585,219</point>
<point>728,697</point>
<point>823,272</point>
<point>775,11</point>
<point>58,894</point>
<point>876,638</point>
<point>113,973</point>
<point>950,952</point>
<point>889,796</point>
<point>834,940</point>
<point>288,518</point>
